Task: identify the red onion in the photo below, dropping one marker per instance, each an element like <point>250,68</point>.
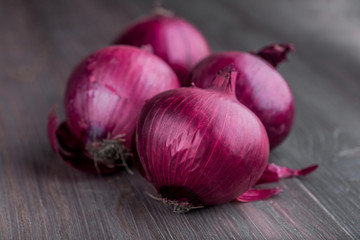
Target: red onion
<point>173,39</point>
<point>201,147</point>
<point>103,100</point>
<point>259,86</point>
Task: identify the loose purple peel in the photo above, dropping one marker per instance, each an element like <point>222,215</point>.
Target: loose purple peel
<point>70,149</point>
<point>274,172</point>
<point>252,195</point>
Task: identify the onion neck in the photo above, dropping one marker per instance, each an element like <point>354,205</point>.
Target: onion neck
<point>147,48</point>
<point>276,53</point>
<point>161,11</point>
<point>225,80</point>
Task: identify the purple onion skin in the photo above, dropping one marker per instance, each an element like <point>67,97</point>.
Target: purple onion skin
<point>173,39</point>
<point>103,99</point>
<point>259,86</point>
<point>200,146</point>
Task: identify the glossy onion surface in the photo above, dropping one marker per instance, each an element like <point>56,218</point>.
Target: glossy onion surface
<point>173,39</point>
<point>200,146</point>
<point>259,86</point>
<point>103,99</point>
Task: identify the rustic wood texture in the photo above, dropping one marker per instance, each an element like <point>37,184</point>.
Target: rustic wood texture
<point>43,198</point>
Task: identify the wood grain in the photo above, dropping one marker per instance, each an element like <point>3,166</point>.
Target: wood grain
<point>43,198</point>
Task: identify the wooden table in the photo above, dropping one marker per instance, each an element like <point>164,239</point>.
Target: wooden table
<point>43,198</point>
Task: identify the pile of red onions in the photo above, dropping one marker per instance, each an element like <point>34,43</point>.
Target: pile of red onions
<point>200,145</point>
<point>259,86</point>
<point>103,100</point>
<point>173,39</point>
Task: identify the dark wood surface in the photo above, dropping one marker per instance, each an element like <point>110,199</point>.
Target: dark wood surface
<point>43,198</point>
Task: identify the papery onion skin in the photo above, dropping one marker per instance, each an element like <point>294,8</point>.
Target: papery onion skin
<point>200,146</point>
<point>258,194</point>
<point>274,172</point>
<point>259,86</point>
<point>103,99</point>
<point>175,40</point>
